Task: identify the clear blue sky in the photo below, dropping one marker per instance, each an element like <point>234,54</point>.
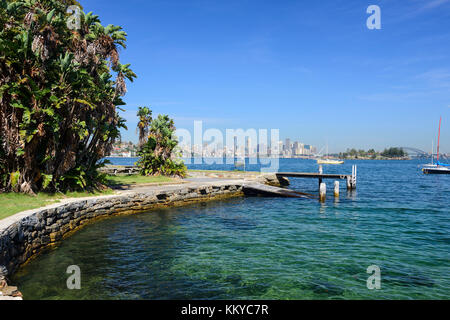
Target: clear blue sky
<point>309,68</point>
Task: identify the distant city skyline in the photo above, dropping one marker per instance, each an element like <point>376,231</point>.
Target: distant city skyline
<point>286,149</point>
<point>313,70</point>
<point>248,148</point>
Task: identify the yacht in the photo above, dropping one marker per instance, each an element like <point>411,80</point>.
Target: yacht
<point>439,167</point>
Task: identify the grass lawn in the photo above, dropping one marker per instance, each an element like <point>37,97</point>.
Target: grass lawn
<point>138,179</point>
<point>12,203</point>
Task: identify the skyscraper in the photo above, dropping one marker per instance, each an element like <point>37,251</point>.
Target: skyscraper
<point>288,144</point>
<point>248,146</point>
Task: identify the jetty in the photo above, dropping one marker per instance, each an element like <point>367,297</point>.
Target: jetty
<point>350,178</point>
<point>262,189</point>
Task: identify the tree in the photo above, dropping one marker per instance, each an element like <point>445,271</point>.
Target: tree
<point>145,118</point>
<point>394,153</point>
<point>371,153</point>
<point>158,155</point>
<point>58,98</point>
<point>353,153</point>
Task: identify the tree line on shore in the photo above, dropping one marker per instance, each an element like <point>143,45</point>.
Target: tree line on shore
<point>389,153</point>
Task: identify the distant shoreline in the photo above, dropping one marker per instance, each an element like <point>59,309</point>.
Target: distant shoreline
<point>281,157</point>
<point>401,159</point>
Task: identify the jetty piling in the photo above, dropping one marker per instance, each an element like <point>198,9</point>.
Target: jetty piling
<point>353,178</point>
<point>336,189</point>
<point>323,192</point>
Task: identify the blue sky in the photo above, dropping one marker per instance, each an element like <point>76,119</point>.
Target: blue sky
<point>309,68</point>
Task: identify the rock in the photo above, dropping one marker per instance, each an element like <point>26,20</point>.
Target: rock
<point>49,221</point>
<point>13,231</point>
<point>9,291</point>
<point>17,294</point>
<point>161,196</point>
<point>272,179</point>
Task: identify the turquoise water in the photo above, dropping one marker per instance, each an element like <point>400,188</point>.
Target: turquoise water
<point>265,248</point>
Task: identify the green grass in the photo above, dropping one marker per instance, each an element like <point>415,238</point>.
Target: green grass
<point>12,203</point>
<point>137,179</point>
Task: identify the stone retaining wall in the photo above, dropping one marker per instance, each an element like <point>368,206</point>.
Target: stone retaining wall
<point>119,170</point>
<point>25,235</point>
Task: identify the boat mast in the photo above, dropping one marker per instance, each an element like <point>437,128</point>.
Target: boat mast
<point>439,138</point>
<point>432,151</point>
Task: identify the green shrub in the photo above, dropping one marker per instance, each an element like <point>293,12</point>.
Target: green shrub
<point>158,155</point>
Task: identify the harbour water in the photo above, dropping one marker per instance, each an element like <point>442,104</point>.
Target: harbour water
<point>267,248</point>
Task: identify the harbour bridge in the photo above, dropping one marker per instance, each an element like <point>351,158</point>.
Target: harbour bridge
<point>415,153</point>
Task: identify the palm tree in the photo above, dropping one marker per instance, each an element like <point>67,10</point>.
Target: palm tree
<point>145,118</point>
<point>159,156</point>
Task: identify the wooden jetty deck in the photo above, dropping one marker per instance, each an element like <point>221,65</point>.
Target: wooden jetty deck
<point>313,175</point>
<point>350,178</point>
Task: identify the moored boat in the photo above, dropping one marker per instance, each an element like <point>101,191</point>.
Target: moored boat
<point>329,161</point>
<point>438,168</point>
<point>326,160</point>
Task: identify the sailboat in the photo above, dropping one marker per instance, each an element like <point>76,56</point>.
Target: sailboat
<point>329,161</point>
<point>438,168</point>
